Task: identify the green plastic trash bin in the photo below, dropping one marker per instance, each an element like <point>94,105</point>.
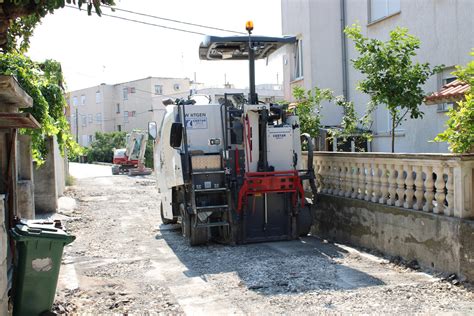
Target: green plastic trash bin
<point>39,247</point>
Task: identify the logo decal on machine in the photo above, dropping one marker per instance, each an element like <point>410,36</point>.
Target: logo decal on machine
<point>279,135</point>
<point>196,121</point>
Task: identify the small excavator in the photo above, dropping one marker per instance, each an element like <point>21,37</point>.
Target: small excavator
<point>131,160</point>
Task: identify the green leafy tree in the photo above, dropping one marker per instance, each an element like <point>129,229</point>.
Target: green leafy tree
<point>351,124</point>
<point>391,76</point>
<point>102,147</point>
<point>309,112</point>
<point>309,108</point>
<point>18,18</point>
<point>460,125</point>
<point>44,83</point>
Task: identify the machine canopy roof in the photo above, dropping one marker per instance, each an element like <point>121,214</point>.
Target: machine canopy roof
<point>236,47</point>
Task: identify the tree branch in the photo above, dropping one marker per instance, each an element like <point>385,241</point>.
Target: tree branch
<point>401,118</point>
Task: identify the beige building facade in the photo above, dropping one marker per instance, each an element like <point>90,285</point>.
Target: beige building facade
<point>322,56</point>
<point>121,107</point>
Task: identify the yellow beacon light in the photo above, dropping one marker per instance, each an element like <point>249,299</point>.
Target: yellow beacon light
<point>249,26</point>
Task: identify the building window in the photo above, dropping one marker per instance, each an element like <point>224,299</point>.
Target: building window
<point>85,140</point>
<point>380,9</point>
<point>176,86</point>
<point>119,128</point>
<point>83,100</point>
<point>158,89</point>
<point>98,97</point>
<point>118,108</point>
<point>444,107</point>
<point>125,93</point>
<point>91,138</point>
<point>133,113</point>
<point>90,118</point>
<point>98,118</point>
<point>74,101</point>
<point>125,116</point>
<point>299,60</point>
<point>84,120</point>
<point>73,121</point>
<point>132,90</point>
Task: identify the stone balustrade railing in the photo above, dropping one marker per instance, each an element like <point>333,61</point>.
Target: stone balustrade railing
<point>438,183</point>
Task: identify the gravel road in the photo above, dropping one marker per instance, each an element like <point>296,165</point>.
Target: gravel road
<point>125,262</point>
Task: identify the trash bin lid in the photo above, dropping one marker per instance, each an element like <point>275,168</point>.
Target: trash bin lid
<point>40,229</point>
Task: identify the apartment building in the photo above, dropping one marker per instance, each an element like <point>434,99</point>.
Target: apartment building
<point>322,56</point>
<point>121,107</point>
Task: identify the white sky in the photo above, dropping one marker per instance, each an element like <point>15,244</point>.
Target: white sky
<point>95,50</point>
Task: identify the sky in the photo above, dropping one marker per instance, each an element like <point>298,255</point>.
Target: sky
<point>94,50</point>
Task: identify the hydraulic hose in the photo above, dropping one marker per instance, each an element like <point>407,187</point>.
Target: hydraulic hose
<point>310,173</point>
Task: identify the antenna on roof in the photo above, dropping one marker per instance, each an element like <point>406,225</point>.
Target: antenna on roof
<point>253,98</point>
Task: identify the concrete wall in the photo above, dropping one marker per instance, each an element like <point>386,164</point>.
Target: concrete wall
<point>437,242</point>
<point>25,185</point>
<point>444,28</point>
<point>3,260</point>
<point>60,171</point>
<point>49,179</point>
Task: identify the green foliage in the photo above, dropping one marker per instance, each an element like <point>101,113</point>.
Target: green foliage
<point>102,147</point>
<point>18,18</point>
<point>309,112</point>
<point>309,108</point>
<point>44,83</point>
<point>70,180</point>
<point>19,34</point>
<point>391,76</point>
<point>352,125</point>
<point>460,125</point>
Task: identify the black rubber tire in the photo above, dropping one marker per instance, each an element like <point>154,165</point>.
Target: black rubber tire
<point>185,223</point>
<point>198,236</point>
<point>305,221</point>
<point>165,220</point>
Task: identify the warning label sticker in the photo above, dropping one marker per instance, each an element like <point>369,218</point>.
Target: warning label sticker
<point>196,121</point>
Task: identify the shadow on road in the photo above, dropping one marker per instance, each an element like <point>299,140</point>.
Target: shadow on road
<point>307,264</point>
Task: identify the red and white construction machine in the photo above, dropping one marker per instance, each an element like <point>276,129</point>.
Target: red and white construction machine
<point>234,171</point>
<point>131,160</point>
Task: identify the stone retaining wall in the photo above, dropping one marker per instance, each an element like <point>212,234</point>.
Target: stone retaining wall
<point>437,242</point>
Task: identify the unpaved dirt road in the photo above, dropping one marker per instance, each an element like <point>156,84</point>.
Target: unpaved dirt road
<point>125,262</point>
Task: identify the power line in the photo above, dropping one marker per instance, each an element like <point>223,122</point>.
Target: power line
<point>175,21</point>
<point>143,22</point>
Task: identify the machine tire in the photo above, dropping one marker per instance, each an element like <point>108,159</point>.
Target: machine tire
<point>305,221</point>
<point>198,236</point>
<point>165,220</point>
<point>115,171</point>
<point>185,222</point>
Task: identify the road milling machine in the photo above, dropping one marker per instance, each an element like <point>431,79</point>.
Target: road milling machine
<point>233,172</point>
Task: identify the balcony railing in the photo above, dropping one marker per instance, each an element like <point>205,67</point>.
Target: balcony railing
<point>438,183</point>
